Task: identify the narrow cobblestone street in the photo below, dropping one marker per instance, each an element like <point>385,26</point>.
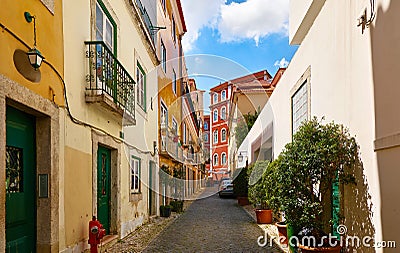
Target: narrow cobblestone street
<point>211,224</point>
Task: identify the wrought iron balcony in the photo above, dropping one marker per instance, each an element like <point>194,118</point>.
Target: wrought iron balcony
<point>108,82</point>
<point>147,20</point>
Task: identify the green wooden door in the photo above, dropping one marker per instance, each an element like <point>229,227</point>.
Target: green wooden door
<point>152,193</point>
<point>104,186</point>
<point>20,182</point>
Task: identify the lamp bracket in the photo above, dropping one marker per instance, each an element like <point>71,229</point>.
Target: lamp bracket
<point>28,17</point>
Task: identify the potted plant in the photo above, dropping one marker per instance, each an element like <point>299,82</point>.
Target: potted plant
<point>177,206</point>
<point>165,210</point>
<point>318,157</point>
<point>240,186</point>
<point>259,191</point>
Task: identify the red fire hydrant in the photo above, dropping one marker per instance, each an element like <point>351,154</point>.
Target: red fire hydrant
<point>96,233</point>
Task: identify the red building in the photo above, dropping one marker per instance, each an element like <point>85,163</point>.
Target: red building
<point>219,113</point>
<point>207,138</point>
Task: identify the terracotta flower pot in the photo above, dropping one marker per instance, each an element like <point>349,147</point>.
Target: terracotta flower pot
<point>264,216</point>
<point>306,249</point>
<point>282,231</point>
<point>243,201</point>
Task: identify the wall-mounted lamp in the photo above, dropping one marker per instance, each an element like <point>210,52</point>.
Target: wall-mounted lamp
<point>34,55</point>
<point>240,157</point>
<point>155,150</point>
<point>155,29</point>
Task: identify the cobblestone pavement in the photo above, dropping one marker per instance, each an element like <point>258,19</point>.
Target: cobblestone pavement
<point>144,234</point>
<point>211,225</point>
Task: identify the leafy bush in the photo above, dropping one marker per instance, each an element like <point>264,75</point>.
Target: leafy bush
<point>241,182</point>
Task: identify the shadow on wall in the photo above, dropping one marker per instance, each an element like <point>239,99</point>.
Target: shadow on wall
<point>385,48</point>
<point>358,212</point>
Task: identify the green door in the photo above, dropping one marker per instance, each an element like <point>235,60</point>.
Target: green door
<point>152,193</point>
<point>104,187</point>
<point>20,182</point>
<point>335,206</point>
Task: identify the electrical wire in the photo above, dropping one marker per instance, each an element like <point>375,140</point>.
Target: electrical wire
<point>67,107</point>
<point>372,13</point>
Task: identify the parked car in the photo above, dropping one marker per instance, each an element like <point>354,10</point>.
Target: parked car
<point>225,188</point>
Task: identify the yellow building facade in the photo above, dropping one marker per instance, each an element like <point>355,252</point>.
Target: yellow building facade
<point>109,161</point>
<point>172,24</point>
<point>31,99</point>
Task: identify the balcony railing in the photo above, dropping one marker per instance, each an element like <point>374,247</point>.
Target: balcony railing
<point>146,19</point>
<point>169,145</point>
<point>108,79</point>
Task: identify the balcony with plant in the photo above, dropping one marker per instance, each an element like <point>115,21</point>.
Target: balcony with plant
<point>108,82</point>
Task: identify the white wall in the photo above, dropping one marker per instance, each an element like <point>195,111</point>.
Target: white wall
<point>342,88</point>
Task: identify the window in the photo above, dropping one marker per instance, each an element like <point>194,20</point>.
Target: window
<point>205,126</point>
<point>184,133</point>
<point>173,29</point>
<point>215,160</point>
<point>174,81</point>
<point>135,175</point>
<point>141,87</point>
<point>104,26</point>
<point>205,137</point>
<point>223,159</point>
<point>223,95</point>
<point>215,115</point>
<point>174,127</point>
<point>164,116</point>
<point>223,113</point>
<point>215,98</point>
<point>299,106</point>
<point>223,135</point>
<point>163,57</point>
<point>215,136</point>
<point>164,4</point>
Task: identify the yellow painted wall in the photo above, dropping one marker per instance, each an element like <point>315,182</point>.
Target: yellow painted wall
<point>78,200</point>
<point>49,32</point>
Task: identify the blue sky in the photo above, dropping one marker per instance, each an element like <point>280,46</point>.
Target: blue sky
<point>230,38</point>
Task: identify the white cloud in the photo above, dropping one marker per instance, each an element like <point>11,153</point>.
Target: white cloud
<point>253,19</point>
<point>199,14</point>
<point>282,63</point>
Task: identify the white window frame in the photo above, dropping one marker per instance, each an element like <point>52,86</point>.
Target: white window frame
<point>135,173</point>
<point>215,115</point>
<point>164,4</point>
<point>103,33</point>
<point>184,133</point>
<point>163,56</point>
<point>215,159</point>
<point>301,101</point>
<point>174,126</point>
<point>215,137</point>
<point>163,112</point>
<point>215,98</point>
<point>173,29</point>
<point>223,95</point>
<point>174,85</point>
<point>222,135</point>
<point>223,161</point>
<point>206,137</point>
<point>223,113</point>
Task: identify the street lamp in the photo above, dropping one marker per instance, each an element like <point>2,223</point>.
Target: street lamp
<point>34,55</point>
